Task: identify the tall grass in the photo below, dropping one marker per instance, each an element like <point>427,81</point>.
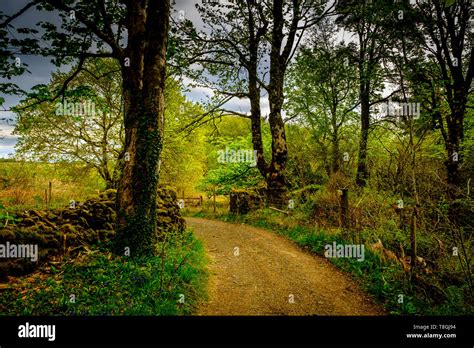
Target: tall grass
<point>23,185</point>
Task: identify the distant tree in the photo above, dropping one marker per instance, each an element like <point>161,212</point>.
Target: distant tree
<point>85,127</point>
<point>367,20</point>
<point>234,165</point>
<point>184,153</point>
<point>322,90</point>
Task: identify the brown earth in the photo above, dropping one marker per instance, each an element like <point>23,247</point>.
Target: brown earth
<point>269,275</point>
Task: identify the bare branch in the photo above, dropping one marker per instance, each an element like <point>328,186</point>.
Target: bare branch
<point>19,13</point>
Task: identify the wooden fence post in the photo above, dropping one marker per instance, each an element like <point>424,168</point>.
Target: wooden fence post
<point>50,190</point>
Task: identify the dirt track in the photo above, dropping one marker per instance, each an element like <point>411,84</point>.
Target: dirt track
<point>269,272</point>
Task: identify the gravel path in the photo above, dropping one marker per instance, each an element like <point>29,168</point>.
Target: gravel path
<point>256,272</point>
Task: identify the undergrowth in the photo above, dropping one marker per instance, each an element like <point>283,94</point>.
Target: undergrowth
<point>100,283</point>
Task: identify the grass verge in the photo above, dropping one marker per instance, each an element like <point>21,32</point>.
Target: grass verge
<point>99,283</point>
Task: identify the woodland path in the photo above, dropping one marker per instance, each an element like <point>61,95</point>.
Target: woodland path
<point>269,272</point>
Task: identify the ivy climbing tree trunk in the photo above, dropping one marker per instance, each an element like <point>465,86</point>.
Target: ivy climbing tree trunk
<point>276,185</point>
<point>143,71</point>
<point>279,57</point>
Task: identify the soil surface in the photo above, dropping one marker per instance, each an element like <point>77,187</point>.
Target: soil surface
<point>257,272</point>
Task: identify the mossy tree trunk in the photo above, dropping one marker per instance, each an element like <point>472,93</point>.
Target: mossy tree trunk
<point>280,53</point>
<point>143,72</point>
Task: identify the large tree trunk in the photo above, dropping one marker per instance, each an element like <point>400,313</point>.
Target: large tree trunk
<point>362,170</point>
<point>143,84</point>
<point>276,183</point>
<point>274,173</point>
